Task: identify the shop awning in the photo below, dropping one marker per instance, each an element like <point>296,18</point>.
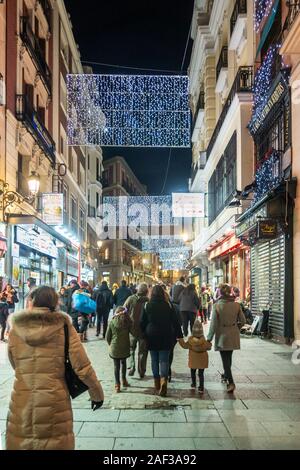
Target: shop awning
<point>32,220</point>
<point>268,26</point>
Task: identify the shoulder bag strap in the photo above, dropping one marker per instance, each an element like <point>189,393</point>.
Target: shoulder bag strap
<point>66,331</point>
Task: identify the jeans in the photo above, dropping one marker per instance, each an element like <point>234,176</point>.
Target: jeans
<point>142,354</point>
<point>171,357</point>
<point>160,363</point>
<point>188,318</point>
<point>201,377</point>
<point>227,362</point>
<point>118,363</point>
<point>102,316</point>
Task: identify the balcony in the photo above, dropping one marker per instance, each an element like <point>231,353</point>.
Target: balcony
<point>269,174</point>
<point>92,212</point>
<point>47,10</point>
<point>222,70</point>
<point>199,117</point>
<point>243,83</point>
<point>200,165</point>
<point>29,117</point>
<point>294,10</point>
<point>32,45</point>
<point>238,26</point>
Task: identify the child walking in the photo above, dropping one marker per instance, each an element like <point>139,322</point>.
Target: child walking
<point>117,336</point>
<point>198,356</point>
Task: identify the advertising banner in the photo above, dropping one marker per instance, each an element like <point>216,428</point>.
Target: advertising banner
<point>53,208</point>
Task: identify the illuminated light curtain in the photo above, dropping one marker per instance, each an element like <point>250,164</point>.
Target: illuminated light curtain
<point>128,110</point>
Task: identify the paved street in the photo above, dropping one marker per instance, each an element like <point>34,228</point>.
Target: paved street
<point>263,414</point>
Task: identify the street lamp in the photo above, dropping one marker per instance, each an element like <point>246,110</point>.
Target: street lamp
<point>34,183</point>
<point>8,198</point>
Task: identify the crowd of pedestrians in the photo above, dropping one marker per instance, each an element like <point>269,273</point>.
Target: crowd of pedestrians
<point>147,321</point>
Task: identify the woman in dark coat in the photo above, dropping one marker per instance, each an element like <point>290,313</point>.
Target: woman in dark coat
<point>160,325</point>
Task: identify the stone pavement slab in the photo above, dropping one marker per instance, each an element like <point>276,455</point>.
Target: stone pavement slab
<point>94,443</point>
<point>261,415</point>
<point>153,416</point>
<point>116,430</point>
<point>283,428</point>
<point>98,415</point>
<point>202,416</point>
<point>267,443</point>
<point>191,430</point>
<point>245,428</point>
<point>223,443</point>
<point>155,444</point>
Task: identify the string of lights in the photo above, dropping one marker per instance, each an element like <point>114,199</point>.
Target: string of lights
<point>261,11</point>
<point>267,175</point>
<point>139,110</point>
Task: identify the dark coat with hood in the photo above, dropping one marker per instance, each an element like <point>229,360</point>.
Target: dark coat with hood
<point>40,413</point>
<point>160,325</point>
<point>117,336</point>
<point>103,297</point>
<point>121,295</point>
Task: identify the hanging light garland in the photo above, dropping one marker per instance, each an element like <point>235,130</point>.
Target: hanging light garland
<point>261,11</point>
<point>139,110</point>
<point>267,175</point>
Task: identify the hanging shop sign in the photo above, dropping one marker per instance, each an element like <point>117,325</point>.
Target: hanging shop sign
<point>188,205</point>
<point>15,271</point>
<point>224,248</point>
<point>267,229</point>
<point>53,208</point>
<point>250,222</point>
<point>276,97</point>
<point>39,241</point>
<point>15,250</point>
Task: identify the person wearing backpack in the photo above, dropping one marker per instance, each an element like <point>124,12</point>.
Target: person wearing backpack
<point>104,303</point>
<point>135,304</point>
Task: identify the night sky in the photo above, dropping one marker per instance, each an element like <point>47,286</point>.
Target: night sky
<point>138,33</point>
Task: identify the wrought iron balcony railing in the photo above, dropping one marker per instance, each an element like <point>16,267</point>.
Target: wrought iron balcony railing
<point>294,10</point>
<point>46,7</point>
<point>243,83</point>
<point>240,8</point>
<point>31,42</point>
<point>29,117</point>
<point>223,61</point>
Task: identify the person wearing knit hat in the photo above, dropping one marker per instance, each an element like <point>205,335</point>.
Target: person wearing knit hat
<point>198,356</point>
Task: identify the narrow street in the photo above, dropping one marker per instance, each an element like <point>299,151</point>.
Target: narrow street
<point>264,412</point>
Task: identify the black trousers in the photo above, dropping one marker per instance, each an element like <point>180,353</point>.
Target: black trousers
<point>200,375</point>
<point>75,322</point>
<point>102,316</point>
<point>84,323</point>
<point>188,318</point>
<point>120,364</point>
<point>227,363</point>
<point>3,328</point>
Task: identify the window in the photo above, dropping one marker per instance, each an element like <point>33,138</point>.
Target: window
<point>64,46</point>
<point>82,224</point>
<point>63,95</point>
<point>74,215</point>
<point>222,184</point>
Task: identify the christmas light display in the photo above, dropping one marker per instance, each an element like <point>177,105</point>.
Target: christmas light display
<point>157,244</point>
<point>174,265</point>
<point>150,210</point>
<point>261,11</point>
<point>267,175</point>
<point>139,110</point>
<point>179,253</point>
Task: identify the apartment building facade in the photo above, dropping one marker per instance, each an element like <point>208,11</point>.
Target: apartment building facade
<point>221,78</point>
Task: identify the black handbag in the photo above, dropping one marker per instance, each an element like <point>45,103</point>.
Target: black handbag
<point>75,386</point>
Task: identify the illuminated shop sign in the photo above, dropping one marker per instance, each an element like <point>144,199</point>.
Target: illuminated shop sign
<point>53,208</point>
<point>37,240</point>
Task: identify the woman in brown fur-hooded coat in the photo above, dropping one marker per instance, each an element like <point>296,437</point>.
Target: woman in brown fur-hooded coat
<point>40,413</point>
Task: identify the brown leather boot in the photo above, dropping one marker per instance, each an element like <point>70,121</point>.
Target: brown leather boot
<point>117,388</point>
<point>157,384</point>
<point>125,383</point>
<point>163,387</point>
